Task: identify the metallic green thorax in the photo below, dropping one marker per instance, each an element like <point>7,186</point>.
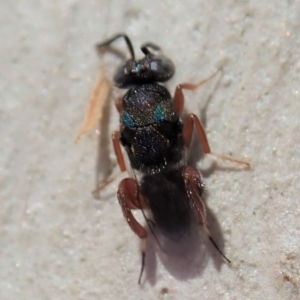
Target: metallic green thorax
<point>153,105</point>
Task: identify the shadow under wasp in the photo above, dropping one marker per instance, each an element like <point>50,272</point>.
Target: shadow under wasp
<point>157,143</point>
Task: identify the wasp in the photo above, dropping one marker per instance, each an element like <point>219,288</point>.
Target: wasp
<point>157,143</point>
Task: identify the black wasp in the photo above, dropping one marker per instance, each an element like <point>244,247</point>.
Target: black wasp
<point>156,141</point>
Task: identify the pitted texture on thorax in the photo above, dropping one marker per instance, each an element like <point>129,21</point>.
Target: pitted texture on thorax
<point>147,104</point>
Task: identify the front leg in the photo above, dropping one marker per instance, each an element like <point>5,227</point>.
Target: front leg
<point>178,100</point>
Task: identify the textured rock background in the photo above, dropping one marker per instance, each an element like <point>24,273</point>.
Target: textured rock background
<point>56,242</point>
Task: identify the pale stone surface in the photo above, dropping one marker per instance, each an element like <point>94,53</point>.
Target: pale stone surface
<point>56,241</point>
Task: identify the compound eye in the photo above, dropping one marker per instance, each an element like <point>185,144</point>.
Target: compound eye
<point>162,67</point>
<point>123,75</point>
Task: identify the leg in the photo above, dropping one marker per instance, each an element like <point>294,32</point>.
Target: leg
<point>179,97</point>
<point>193,121</point>
<point>129,198</point>
<point>194,187</point>
<point>118,104</point>
<point>118,151</point>
<point>120,159</point>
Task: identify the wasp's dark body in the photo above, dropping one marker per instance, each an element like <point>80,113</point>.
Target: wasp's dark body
<point>151,131</point>
<point>166,196</point>
<point>152,134</point>
<point>156,139</point>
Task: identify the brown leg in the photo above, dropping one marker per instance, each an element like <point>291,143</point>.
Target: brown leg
<point>129,198</point>
<point>178,101</point>
<point>118,104</point>
<point>193,121</point>
<point>121,162</point>
<point>118,151</point>
<point>194,187</point>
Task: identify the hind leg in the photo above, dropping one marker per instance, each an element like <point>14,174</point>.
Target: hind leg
<point>130,198</point>
<point>194,188</point>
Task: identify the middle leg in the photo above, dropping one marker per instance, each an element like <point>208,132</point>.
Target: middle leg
<point>121,162</point>
<point>192,122</point>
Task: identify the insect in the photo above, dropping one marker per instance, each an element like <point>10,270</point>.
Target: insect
<point>157,142</point>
